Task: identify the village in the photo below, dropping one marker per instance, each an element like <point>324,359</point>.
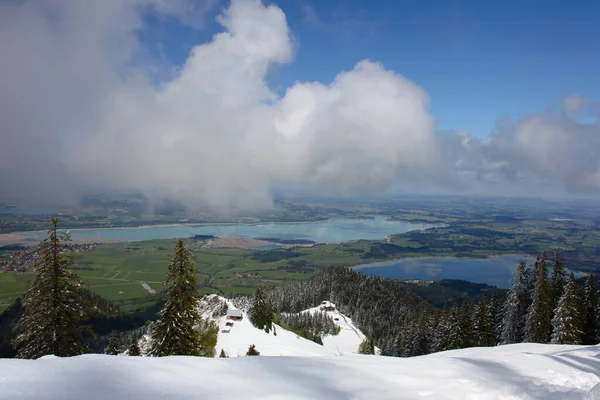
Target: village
<point>25,261</point>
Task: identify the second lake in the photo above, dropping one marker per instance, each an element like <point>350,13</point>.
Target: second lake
<point>496,271</point>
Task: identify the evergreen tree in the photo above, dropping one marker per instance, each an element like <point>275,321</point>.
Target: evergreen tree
<point>590,309</point>
<point>252,351</point>
<point>208,332</point>
<point>366,346</point>
<point>538,326</point>
<point>567,321</point>
<point>174,333</point>
<point>262,314</point>
<point>421,339</point>
<point>134,347</point>
<point>114,344</point>
<point>222,354</point>
<point>455,339</point>
<point>53,307</point>
<point>441,334</point>
<point>558,280</point>
<point>515,307</point>
<point>466,325</point>
<point>497,310</point>
<point>484,325</point>
<point>432,326</point>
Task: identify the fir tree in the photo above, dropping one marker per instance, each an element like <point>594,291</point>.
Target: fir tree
<point>538,326</point>
<point>515,307</point>
<point>567,321</point>
<point>484,325</point>
<point>590,310</point>
<point>455,336</point>
<point>366,346</point>
<point>262,314</point>
<point>558,280</point>
<point>174,333</point>
<point>134,347</point>
<point>222,354</point>
<point>421,339</point>
<point>114,344</point>
<point>441,339</point>
<point>252,351</point>
<point>53,307</point>
<point>466,325</point>
<point>496,310</point>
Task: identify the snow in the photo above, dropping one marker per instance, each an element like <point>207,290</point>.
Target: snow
<point>242,334</point>
<point>521,371</point>
<point>349,338</point>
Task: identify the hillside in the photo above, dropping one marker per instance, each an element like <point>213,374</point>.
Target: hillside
<point>279,342</point>
<point>522,371</point>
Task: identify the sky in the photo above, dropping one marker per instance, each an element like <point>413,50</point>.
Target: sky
<point>217,103</point>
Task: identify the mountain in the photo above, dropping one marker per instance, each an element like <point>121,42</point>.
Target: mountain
<point>521,371</point>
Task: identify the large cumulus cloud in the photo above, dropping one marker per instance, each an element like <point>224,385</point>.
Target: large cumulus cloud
<point>79,114</point>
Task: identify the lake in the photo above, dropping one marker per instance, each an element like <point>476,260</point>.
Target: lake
<point>496,271</point>
<point>341,230</point>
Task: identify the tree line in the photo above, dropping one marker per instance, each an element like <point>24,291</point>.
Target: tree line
<point>538,309</point>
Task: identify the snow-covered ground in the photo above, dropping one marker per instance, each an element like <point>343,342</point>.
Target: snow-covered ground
<point>349,338</point>
<point>523,371</point>
<point>242,334</point>
<point>302,369</point>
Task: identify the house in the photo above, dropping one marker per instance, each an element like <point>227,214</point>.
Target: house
<point>234,315</point>
<point>327,306</point>
<point>229,323</point>
<point>226,329</point>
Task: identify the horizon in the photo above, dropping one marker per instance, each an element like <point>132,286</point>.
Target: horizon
<point>224,104</point>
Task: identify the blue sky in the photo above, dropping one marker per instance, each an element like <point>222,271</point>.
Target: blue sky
<point>479,61</point>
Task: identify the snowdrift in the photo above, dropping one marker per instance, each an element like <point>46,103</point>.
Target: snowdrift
<point>524,371</point>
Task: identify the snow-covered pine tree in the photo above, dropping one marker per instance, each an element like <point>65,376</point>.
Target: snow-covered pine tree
<point>497,310</point>
<point>466,325</point>
<point>222,354</point>
<point>53,307</point>
<point>591,309</point>
<point>538,326</point>
<point>515,307</point>
<point>114,344</point>
<point>173,333</point>
<point>419,337</point>
<point>134,347</point>
<point>441,337</point>
<point>558,280</point>
<point>567,321</point>
<point>252,351</point>
<point>483,325</point>
<point>261,312</point>
<point>455,334</point>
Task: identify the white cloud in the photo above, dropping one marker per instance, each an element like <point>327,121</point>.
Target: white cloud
<point>78,114</point>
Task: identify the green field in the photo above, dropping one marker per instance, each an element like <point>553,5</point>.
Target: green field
<point>117,271</point>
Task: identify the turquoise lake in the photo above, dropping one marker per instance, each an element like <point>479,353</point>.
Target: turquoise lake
<point>324,231</point>
<point>496,271</point>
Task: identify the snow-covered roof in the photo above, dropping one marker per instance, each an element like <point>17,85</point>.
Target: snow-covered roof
<point>234,313</point>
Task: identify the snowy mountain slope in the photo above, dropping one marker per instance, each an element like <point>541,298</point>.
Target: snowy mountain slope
<point>349,338</point>
<point>242,334</point>
<point>524,371</point>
